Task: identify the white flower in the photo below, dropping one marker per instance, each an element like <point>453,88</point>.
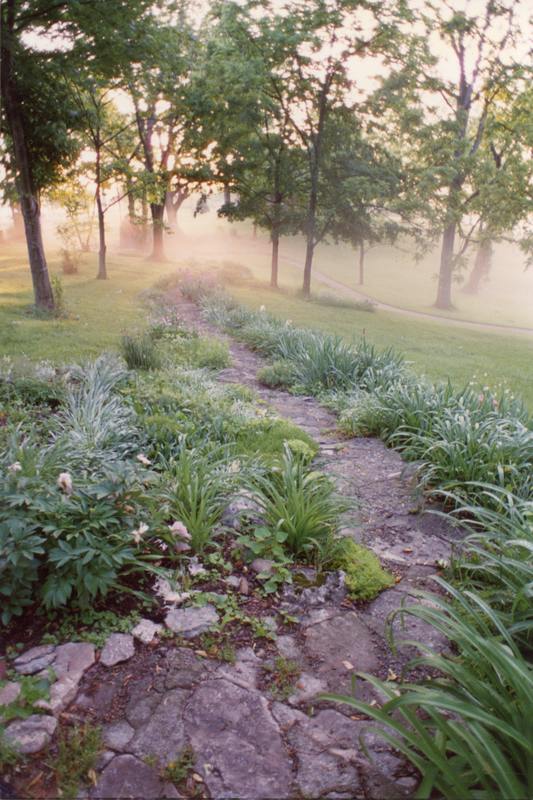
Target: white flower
<point>65,482</point>
<point>262,309</point>
<point>142,458</point>
<point>179,530</point>
<point>15,467</point>
<point>288,323</point>
<point>139,532</point>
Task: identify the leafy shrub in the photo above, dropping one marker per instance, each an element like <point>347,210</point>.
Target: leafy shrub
<point>140,351</point>
<point>279,375</point>
<point>467,731</point>
<point>365,577</point>
<point>299,505</point>
<point>63,539</point>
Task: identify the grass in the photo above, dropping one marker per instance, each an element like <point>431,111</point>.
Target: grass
<point>78,751</point>
<point>434,349</point>
<point>101,311</point>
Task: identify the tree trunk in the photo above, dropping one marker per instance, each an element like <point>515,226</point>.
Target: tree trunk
<point>29,202</point>
<point>17,232</point>
<point>444,291</point>
<point>227,195</point>
<point>172,213</point>
<point>361,263</point>
<point>310,239</point>
<point>158,249</point>
<point>275,258</point>
<point>481,268</point>
<point>102,268</point>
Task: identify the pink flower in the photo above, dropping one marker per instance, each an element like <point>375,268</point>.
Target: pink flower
<point>142,458</point>
<point>65,482</point>
<point>180,531</point>
<point>15,467</point>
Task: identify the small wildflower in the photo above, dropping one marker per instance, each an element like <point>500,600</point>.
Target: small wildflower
<point>179,530</point>
<point>142,458</point>
<point>15,467</point>
<point>262,309</point>
<point>139,532</point>
<point>65,482</point>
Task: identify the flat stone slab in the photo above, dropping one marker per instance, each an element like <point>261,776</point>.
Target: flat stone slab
<point>127,777</point>
<point>117,735</point>
<point>70,662</point>
<point>337,642</point>
<point>35,660</point>
<point>30,735</point>
<point>190,622</point>
<point>232,730</point>
<point>163,734</point>
<point>118,647</point>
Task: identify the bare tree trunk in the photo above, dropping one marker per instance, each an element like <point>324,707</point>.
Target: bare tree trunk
<point>361,263</point>
<point>275,257</point>
<point>158,248</point>
<point>444,290</point>
<point>29,202</point>
<point>481,269</point>
<point>17,232</point>
<point>310,238</point>
<point>172,213</point>
<point>227,195</point>
<point>102,267</point>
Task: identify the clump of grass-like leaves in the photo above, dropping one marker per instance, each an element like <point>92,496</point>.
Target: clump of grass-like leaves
<point>140,351</point>
<point>300,505</point>
<point>467,731</point>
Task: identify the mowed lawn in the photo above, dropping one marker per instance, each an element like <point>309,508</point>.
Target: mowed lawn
<point>100,311</point>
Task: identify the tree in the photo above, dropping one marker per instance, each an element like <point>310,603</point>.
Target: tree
<point>453,117</point>
<point>255,153</point>
<point>109,137</point>
<point>159,85</point>
<point>38,120</point>
<point>503,197</point>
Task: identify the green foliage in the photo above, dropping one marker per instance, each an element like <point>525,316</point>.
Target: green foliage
<point>140,351</point>
<point>269,544</point>
<point>32,689</point>
<point>460,439</point>
<point>78,751</point>
<point>178,770</point>
<point>299,506</point>
<point>279,375</point>
<point>199,352</point>
<point>87,625</point>
<point>284,674</point>
<point>467,731</point>
<point>195,489</point>
<point>9,756</point>
<point>60,307</point>
<point>365,577</point>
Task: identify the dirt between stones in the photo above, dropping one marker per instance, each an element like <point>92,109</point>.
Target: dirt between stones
<point>178,723</point>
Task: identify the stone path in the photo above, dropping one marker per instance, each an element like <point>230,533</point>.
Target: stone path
<point>159,702</point>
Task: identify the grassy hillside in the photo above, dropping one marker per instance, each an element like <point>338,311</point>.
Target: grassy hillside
<point>101,310</point>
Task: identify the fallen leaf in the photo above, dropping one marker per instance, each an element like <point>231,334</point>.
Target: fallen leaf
<point>92,777</point>
<point>348,665</point>
<point>407,550</point>
<point>197,778</point>
<point>391,675</point>
<point>201,653</point>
